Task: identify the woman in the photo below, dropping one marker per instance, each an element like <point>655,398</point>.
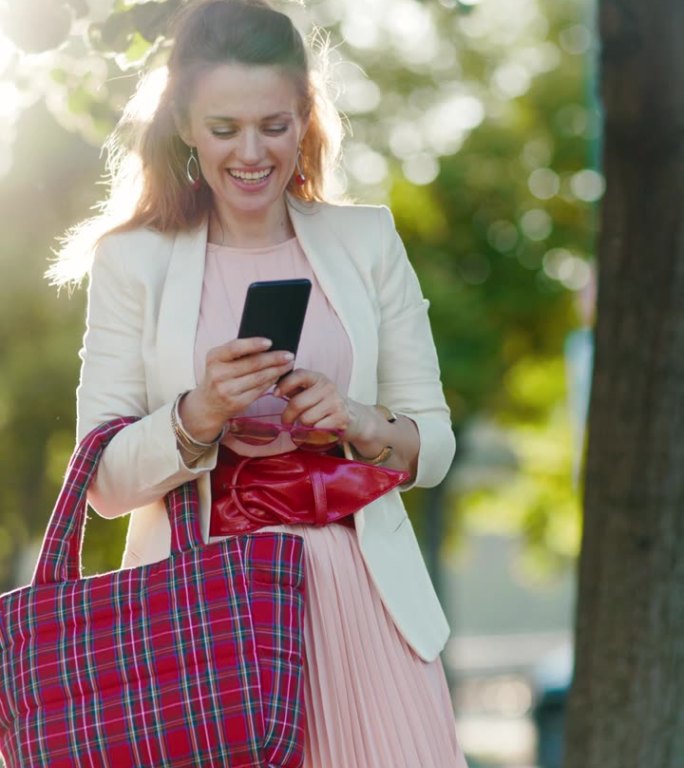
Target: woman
<point>234,162</point>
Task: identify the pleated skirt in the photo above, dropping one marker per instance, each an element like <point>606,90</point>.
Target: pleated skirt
<point>370,701</point>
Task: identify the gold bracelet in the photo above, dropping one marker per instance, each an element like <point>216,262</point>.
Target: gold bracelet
<point>382,457</point>
<point>195,448</point>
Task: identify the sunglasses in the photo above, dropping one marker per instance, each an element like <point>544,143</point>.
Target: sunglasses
<point>265,428</point>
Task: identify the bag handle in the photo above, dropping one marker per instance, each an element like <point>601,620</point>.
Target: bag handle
<point>60,555</point>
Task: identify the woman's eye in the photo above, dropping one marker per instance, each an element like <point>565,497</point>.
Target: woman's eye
<point>222,132</point>
<point>275,129</point>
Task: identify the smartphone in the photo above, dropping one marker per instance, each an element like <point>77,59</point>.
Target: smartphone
<point>275,309</point>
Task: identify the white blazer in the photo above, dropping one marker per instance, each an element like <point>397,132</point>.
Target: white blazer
<point>137,355</point>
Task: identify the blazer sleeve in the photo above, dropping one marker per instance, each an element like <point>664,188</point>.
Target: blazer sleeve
<point>142,463</point>
<point>408,369</point>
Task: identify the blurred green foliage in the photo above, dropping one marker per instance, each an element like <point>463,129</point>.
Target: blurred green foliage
<point>474,122</point>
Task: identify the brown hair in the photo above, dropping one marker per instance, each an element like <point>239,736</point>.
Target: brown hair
<point>147,158</point>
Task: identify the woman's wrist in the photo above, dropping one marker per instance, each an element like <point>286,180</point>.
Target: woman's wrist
<point>374,444</point>
<point>193,438</point>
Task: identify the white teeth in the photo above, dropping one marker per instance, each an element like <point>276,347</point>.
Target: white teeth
<point>250,175</point>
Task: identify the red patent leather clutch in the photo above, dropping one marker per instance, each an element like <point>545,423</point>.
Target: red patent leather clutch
<point>249,493</point>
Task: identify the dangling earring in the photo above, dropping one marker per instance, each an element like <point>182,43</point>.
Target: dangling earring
<point>192,170</point>
<point>300,178</point>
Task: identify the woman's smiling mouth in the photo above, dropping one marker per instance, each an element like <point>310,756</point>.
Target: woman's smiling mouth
<point>250,177</point>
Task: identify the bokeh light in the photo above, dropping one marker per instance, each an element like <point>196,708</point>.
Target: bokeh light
<point>503,235</point>
<point>511,80</point>
<point>420,169</point>
<point>587,185</point>
<point>567,268</point>
<point>536,224</point>
<point>544,183</point>
<point>576,39</point>
<point>365,164</point>
<point>12,101</point>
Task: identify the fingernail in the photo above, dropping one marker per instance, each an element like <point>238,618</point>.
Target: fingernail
<point>266,343</point>
<point>288,357</point>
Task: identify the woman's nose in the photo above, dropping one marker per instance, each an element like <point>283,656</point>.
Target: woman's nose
<point>250,147</point>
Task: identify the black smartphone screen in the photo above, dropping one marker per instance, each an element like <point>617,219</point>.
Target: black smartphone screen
<point>275,309</point>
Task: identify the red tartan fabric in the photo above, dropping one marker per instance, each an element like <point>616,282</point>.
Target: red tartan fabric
<point>193,661</point>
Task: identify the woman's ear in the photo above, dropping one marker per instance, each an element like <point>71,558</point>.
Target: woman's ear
<point>182,126</point>
<point>306,119</point>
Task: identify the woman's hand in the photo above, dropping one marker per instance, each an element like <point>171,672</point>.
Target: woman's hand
<point>315,402</point>
<point>236,374</point>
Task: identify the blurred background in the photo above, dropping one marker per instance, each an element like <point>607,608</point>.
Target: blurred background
<point>477,122</point>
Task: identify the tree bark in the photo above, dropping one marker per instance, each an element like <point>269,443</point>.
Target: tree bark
<point>626,707</point>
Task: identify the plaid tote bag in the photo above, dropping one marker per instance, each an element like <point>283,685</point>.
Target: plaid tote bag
<point>194,661</point>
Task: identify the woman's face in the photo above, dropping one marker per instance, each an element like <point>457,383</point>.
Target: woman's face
<point>246,124</point>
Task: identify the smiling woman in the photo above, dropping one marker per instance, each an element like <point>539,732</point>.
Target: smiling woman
<point>233,167</point>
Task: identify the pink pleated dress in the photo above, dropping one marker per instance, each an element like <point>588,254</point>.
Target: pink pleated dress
<point>370,701</point>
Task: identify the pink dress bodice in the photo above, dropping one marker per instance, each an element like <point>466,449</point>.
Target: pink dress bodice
<point>324,345</point>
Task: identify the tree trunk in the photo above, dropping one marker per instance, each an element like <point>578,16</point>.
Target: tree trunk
<point>626,707</point>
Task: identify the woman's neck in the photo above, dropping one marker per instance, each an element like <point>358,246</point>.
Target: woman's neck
<point>250,231</point>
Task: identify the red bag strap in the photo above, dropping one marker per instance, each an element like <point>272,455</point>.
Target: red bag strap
<point>60,554</point>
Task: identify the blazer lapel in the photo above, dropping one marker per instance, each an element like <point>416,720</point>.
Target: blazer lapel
<point>337,274</point>
<point>179,312</point>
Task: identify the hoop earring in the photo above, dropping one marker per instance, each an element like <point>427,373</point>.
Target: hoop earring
<point>300,178</point>
<point>192,170</point>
